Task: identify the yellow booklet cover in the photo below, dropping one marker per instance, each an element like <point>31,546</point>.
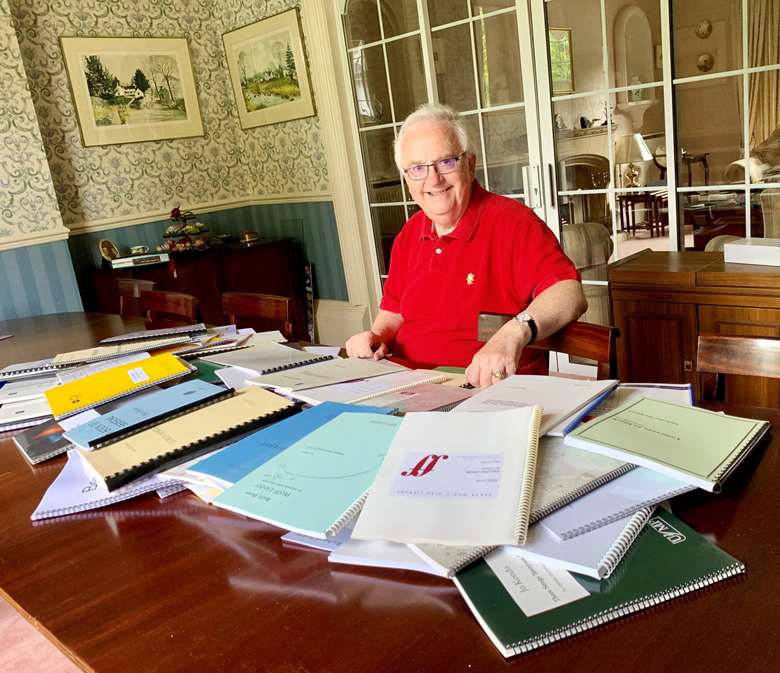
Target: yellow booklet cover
<point>71,398</point>
<point>162,445</point>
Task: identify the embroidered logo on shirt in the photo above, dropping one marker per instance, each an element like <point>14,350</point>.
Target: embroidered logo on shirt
<point>469,279</point>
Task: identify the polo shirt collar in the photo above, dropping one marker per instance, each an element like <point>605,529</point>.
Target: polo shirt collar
<point>467,226</point>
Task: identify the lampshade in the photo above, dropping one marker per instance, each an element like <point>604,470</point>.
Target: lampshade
<point>631,147</point>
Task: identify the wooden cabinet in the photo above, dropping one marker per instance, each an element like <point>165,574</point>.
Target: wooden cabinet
<point>662,301</point>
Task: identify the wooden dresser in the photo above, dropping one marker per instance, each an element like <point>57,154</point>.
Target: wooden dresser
<point>662,301</point>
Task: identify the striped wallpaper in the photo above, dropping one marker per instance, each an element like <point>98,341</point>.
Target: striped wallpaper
<point>36,280</point>
<point>313,225</point>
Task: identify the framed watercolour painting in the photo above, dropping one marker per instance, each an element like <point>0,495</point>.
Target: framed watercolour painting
<point>129,89</point>
<point>268,71</point>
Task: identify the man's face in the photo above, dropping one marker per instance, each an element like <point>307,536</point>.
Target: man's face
<point>443,198</point>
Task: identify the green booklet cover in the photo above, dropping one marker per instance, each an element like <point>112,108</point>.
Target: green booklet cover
<point>318,484</point>
<point>667,560</point>
<point>697,446</point>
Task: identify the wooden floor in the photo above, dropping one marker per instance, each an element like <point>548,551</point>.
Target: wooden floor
<point>25,650</point>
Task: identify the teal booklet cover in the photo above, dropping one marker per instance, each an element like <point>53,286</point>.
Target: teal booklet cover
<point>319,483</point>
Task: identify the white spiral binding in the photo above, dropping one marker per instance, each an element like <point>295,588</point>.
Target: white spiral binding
<point>626,609</point>
<point>439,378</point>
<point>527,487</point>
<point>349,514</point>
<point>626,538</point>
<point>741,453</point>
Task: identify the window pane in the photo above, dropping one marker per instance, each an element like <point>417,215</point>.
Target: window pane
<point>634,48</point>
<point>764,99</point>
<point>763,32</point>
<point>506,144</point>
<point>454,72</point>
<point>706,41</point>
<point>404,60</point>
<point>384,181</point>
<point>498,60</point>
<point>444,12</point>
<point>399,17</point>
<point>709,131</point>
<point>387,222</point>
<point>571,140</point>
<point>589,245</point>
<point>471,122</point>
<point>705,216</point>
<point>640,112</point>
<point>768,203</point>
<point>370,84</point>
<point>362,22</point>
<point>583,19</point>
<point>479,6</point>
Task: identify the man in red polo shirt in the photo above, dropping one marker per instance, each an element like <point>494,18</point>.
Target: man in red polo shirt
<point>468,251</point>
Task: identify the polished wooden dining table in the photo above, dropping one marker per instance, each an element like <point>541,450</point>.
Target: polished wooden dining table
<point>177,585</point>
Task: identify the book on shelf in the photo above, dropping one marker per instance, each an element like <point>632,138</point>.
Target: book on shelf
<point>595,553</point>
<point>139,413</point>
<point>667,560</point>
<point>450,480</point>
<point>98,353</point>
<point>76,490</point>
<point>26,389</point>
<point>318,484</point>
<point>694,445</point>
<point>265,356</point>
<point>144,335</point>
<point>368,389</point>
<point>614,500</point>
<point>318,374</point>
<point>183,437</point>
<point>110,384</point>
<point>560,398</point>
<point>250,452</point>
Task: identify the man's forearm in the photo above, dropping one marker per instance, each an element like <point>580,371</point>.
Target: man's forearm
<point>386,325</point>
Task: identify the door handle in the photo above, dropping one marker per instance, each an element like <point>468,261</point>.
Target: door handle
<point>551,184</point>
<point>531,188</point>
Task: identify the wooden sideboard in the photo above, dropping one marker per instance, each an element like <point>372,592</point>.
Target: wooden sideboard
<point>271,266</point>
<point>662,301</point>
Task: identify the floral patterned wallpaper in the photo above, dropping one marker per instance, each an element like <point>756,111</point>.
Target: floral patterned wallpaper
<point>125,180</point>
<point>28,206</point>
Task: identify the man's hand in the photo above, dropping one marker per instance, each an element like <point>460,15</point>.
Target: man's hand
<point>500,356</point>
<point>366,344</point>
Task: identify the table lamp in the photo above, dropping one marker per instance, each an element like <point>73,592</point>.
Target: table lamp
<point>628,149</point>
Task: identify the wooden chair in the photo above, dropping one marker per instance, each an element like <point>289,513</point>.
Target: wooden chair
<point>261,311</point>
<point>129,290</point>
<point>169,309</point>
<point>718,355</point>
<point>580,339</point>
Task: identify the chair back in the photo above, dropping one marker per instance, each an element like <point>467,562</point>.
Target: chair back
<point>129,291</point>
<point>260,311</point>
<point>168,309</point>
<point>586,340</point>
<point>718,355</point>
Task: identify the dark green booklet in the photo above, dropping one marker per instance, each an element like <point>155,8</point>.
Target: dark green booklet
<point>667,560</point>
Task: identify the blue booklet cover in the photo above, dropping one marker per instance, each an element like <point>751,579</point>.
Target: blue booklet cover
<point>239,459</point>
<point>145,410</point>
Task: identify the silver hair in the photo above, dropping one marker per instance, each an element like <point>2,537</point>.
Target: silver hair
<point>433,113</point>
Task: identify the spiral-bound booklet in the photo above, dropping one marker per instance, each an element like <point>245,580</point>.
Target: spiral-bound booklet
<point>317,485</point>
<point>183,437</point>
<point>450,480</point>
<point>667,560</point>
<point>265,357</point>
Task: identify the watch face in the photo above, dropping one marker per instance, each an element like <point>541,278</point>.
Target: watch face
<point>704,28</point>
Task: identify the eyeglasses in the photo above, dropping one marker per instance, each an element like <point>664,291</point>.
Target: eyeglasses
<point>443,166</point>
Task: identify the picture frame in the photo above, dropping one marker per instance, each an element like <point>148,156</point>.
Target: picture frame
<point>129,89</point>
<point>561,60</point>
<point>268,71</point>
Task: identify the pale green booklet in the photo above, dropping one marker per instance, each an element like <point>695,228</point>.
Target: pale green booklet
<point>694,445</point>
<point>317,485</point>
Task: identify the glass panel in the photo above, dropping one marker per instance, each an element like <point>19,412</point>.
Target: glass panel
<point>404,60</point>
<point>399,17</point>
<point>383,179</point>
<point>387,222</point>
<point>583,19</point>
<point>763,32</point>
<point>642,216</point>
<point>598,305</point>
<point>506,144</point>
<point>634,42</point>
<point>709,131</point>
<point>444,12</point>
<point>454,72</point>
<point>764,99</point>
<point>707,37</point>
<point>471,122</point>
<point>370,85</point>
<point>480,6</point>
<point>588,244</point>
<point>766,209</point>
<point>498,60</point>
<point>705,216</point>
<point>639,136</point>
<point>362,22</point>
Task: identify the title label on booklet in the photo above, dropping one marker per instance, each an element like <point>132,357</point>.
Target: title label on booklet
<point>441,475</point>
<point>137,375</point>
<point>535,587</point>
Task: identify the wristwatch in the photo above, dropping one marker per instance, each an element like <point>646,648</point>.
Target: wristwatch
<point>525,317</point>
